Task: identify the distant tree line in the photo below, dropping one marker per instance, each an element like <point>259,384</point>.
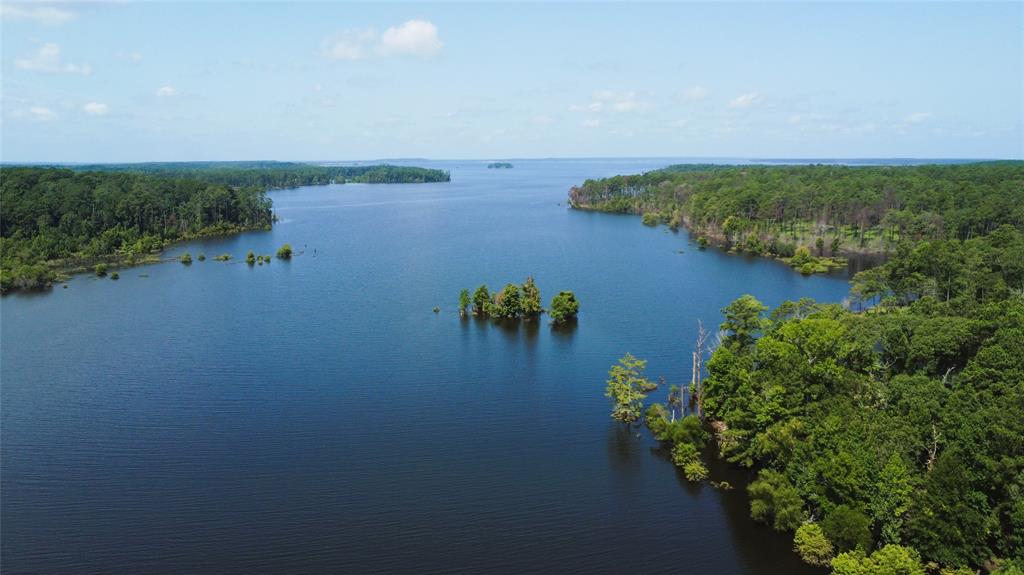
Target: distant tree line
<point>52,217</point>
<point>827,208</point>
<point>275,175</point>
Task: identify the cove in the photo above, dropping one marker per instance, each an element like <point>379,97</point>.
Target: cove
<point>315,415</point>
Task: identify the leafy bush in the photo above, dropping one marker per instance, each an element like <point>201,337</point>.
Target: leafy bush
<point>695,471</point>
<point>810,543</point>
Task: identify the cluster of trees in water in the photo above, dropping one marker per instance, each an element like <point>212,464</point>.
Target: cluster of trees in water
<point>627,387</point>
<point>276,175</point>
<point>56,218</point>
<point>828,209</point>
<point>499,165</point>
<point>514,302</point>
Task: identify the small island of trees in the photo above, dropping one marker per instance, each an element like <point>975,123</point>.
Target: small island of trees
<point>516,302</point>
<point>499,166</point>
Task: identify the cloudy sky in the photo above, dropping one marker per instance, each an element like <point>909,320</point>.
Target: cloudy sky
<point>138,81</point>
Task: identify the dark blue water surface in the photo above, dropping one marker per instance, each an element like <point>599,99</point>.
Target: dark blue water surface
<point>317,416</point>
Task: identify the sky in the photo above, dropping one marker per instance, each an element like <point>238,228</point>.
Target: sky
<point>319,81</point>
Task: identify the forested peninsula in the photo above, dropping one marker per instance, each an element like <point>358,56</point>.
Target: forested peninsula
<point>887,435</point>
<point>60,220</point>
<point>830,210</point>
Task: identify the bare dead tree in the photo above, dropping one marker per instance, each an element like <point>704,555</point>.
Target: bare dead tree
<point>698,367</point>
<point>934,447</point>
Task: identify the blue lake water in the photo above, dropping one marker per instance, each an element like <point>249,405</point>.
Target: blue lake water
<point>317,416</point>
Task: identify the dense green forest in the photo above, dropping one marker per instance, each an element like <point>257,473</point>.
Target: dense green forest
<point>887,434</point>
<point>56,219</point>
<point>275,175</point>
<point>889,440</point>
<point>61,219</point>
<point>828,209</point>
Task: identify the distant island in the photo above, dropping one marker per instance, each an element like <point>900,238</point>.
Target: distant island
<point>812,216</point>
<point>63,220</point>
<point>499,165</point>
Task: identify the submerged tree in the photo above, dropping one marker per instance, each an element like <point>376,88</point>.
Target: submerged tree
<point>564,307</point>
<point>250,258</point>
<point>507,303</point>
<point>625,386</point>
<point>464,302</point>
<point>285,252</point>
<point>186,258</point>
<point>531,299</point>
<point>481,300</point>
<point>675,401</point>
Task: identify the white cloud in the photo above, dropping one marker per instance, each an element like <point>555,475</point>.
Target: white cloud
<point>626,106</point>
<point>679,123</point>
<point>412,38</point>
<point>917,117</point>
<point>745,100</point>
<point>353,44</point>
<point>47,59</point>
<point>166,92</point>
<point>591,123</point>
<point>43,113</point>
<point>41,14</point>
<point>694,94</point>
<point>133,57</point>
<point>96,109</point>
<point>811,118</point>
<point>608,100</point>
<point>542,120</point>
